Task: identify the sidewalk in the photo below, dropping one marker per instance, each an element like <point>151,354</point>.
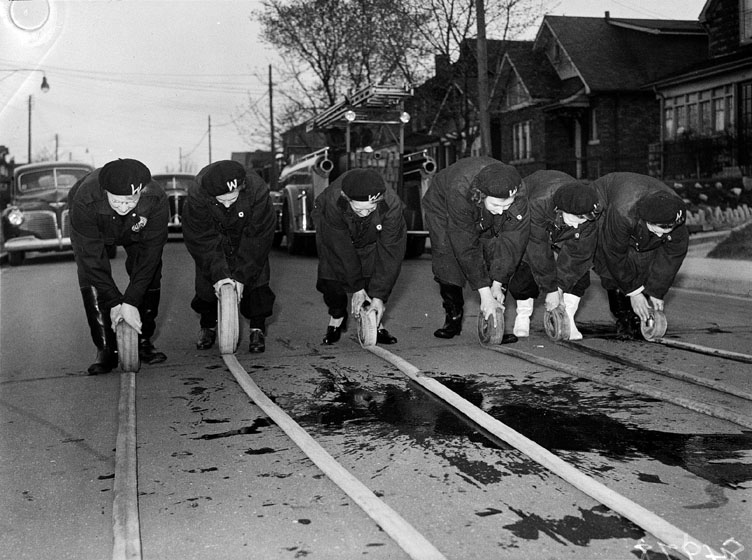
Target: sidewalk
<point>719,276</point>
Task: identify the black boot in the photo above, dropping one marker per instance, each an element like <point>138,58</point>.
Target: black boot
<point>148,354</point>
<point>333,334</point>
<point>101,333</point>
<point>627,321</point>
<point>384,337</point>
<point>206,338</point>
<point>454,303</point>
<point>257,342</point>
<point>148,311</point>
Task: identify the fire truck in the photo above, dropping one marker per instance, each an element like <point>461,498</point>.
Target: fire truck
<point>304,179</point>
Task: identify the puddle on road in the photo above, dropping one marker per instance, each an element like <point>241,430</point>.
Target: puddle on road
<point>717,458</point>
<point>252,429</point>
<point>556,416</point>
<point>598,522</point>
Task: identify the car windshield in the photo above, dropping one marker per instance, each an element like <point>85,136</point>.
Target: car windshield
<point>175,183</point>
<point>48,179</point>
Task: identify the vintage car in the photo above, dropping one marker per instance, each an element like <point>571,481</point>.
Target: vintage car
<point>37,217</point>
<point>176,187</point>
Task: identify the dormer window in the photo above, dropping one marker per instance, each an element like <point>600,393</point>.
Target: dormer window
<point>515,94</point>
<point>556,52</point>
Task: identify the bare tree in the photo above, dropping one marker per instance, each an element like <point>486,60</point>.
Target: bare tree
<point>449,28</point>
<point>329,47</point>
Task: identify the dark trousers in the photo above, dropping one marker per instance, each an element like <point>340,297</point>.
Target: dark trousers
<point>523,286</point>
<point>149,307</point>
<point>335,296</point>
<point>256,305</point>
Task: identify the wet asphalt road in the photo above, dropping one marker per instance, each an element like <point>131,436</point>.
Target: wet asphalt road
<point>218,480</point>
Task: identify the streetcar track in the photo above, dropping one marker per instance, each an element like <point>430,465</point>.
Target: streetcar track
<point>716,411</point>
<point>660,370</point>
<point>642,517</point>
<point>127,536</point>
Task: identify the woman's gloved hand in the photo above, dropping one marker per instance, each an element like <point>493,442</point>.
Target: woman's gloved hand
<point>553,300</point>
<point>128,313</point>
<point>498,291</point>
<point>488,304</point>
<point>357,301</point>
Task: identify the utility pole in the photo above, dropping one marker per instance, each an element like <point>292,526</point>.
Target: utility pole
<point>273,169</point>
<point>180,159</point>
<point>28,157</point>
<point>210,159</point>
<point>57,145</point>
<point>484,121</point>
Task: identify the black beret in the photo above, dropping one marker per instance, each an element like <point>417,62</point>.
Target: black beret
<point>576,198</point>
<point>363,185</point>
<point>124,177</point>
<point>222,177</point>
<point>498,180</point>
<point>661,208</point>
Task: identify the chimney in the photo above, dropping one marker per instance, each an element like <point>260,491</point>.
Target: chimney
<point>608,15</point>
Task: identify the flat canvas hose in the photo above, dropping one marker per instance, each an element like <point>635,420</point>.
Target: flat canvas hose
<point>672,536</point>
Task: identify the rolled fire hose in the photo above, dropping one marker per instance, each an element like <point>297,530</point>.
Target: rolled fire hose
<point>229,325</point>
<point>556,323</point>
<point>491,330</point>
<point>127,343</point>
<point>655,326</point>
<point>368,326</point>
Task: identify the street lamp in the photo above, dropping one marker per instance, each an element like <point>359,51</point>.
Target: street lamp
<point>349,117</point>
<point>45,87</point>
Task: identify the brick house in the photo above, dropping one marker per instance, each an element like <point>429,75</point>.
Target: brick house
<point>706,124</point>
<point>574,98</point>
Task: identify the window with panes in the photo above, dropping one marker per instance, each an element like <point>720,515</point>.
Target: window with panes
<point>703,113</point>
<point>521,143</point>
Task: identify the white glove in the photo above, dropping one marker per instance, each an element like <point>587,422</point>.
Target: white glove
<point>498,292</point>
<point>221,283</point>
<point>553,299</point>
<point>357,301</point>
<point>378,305</point>
<point>488,304</point>
<point>128,313</point>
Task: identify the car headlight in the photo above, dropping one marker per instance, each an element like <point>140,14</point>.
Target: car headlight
<point>15,217</point>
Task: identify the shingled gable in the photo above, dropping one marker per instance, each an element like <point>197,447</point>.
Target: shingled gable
<point>536,73</point>
<point>610,54</point>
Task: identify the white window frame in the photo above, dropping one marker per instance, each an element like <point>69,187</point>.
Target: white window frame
<point>521,141</point>
<point>593,132</point>
<point>685,113</point>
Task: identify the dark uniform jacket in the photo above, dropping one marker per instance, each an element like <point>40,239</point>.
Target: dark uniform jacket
<point>487,247</point>
<point>231,242</point>
<point>95,224</point>
<point>352,248</point>
<point>627,251</point>
<point>550,235</point>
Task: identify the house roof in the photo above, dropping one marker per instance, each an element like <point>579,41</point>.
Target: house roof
<point>738,61</point>
<point>623,54</point>
<point>535,71</point>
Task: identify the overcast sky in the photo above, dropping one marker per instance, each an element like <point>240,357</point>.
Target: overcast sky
<point>141,78</point>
